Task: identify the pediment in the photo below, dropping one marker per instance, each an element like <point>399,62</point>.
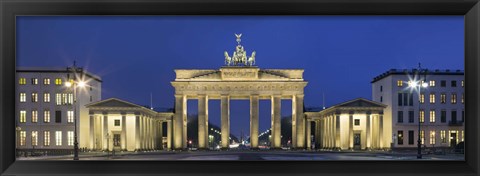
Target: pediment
<point>113,102</point>
<point>361,102</point>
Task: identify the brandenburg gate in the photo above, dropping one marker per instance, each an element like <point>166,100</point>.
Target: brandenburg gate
<point>239,79</point>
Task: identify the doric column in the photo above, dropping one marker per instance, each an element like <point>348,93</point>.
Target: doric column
<point>254,121</point>
<point>294,121</point>
<point>92,132</point>
<point>169,134</point>
<point>350,131</point>
<point>368,132</point>
<point>309,134</point>
<point>276,130</point>
<point>137,133</point>
<point>202,121</point>
<point>300,121</point>
<point>178,121</point>
<point>324,132</point>
<point>337,131</point>
<point>317,134</point>
<point>380,133</point>
<point>225,120</point>
<point>105,131</point>
<point>124,132</point>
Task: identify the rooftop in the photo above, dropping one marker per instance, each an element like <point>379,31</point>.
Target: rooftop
<point>412,71</point>
<point>55,69</point>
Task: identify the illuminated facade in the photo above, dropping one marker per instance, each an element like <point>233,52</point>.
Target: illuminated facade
<point>440,106</point>
<point>123,126</point>
<point>44,108</point>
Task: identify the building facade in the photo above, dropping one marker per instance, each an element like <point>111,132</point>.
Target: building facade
<point>45,107</point>
<point>439,107</point>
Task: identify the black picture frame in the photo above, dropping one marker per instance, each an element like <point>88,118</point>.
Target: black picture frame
<point>11,8</point>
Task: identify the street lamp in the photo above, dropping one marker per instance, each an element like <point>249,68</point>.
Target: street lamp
<point>418,85</point>
<point>74,84</point>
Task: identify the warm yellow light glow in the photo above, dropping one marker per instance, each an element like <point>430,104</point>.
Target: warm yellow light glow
<point>81,84</point>
<point>412,84</point>
<point>68,84</point>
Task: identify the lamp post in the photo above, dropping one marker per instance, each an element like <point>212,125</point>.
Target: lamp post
<point>417,85</point>
<point>73,84</point>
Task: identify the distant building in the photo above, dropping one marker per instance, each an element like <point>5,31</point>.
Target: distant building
<point>44,107</point>
<point>440,107</point>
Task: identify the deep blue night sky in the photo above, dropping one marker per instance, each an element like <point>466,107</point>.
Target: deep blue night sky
<point>340,54</point>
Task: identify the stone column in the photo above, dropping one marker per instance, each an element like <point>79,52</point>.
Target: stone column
<point>202,122</point>
<point>309,134</point>
<point>337,132</point>
<point>169,134</point>
<point>324,132</point>
<point>350,131</point>
<point>105,132</point>
<point>380,134</point>
<point>368,132</point>
<point>254,121</point>
<point>294,121</point>
<point>276,129</point>
<point>92,132</point>
<point>225,120</point>
<point>160,133</point>
<point>317,134</point>
<point>124,132</point>
<point>300,121</point>
<point>178,122</point>
<point>137,133</point>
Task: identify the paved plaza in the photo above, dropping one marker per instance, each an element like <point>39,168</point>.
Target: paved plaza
<point>246,155</point>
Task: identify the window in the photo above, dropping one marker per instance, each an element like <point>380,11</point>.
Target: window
<point>432,83</point>
<point>463,116</point>
<point>454,83</point>
<point>463,83</point>
<point>381,98</point>
<point>58,99</point>
<point>23,97</point>
<point>400,102</point>
<point>432,116</point>
<point>410,137</point>
<point>410,97</point>
<point>90,98</point>
<point>400,138</point>
<point>422,98</point>
<point>22,81</point>
<point>463,98</point>
<point>422,136</point>
<point>34,116</point>
<point>34,81</point>
<point>432,98</point>
<point>443,137</point>
<point>58,116</point>
<point>23,116</point>
<point>453,99</point>
<point>399,83</point>
<point>357,122</point>
<point>34,97</point>
<point>23,138</point>
<point>443,98</point>
<point>443,83</point>
<point>454,116</point>
<point>117,122</point>
<point>443,116</point>
<point>381,88</point>
<point>46,81</point>
<point>34,138</point>
<point>58,138</point>
<point>46,116</point>
<point>46,97</point>
<point>70,138</point>
<point>410,117</point>
<point>432,137</point>
<point>70,99</point>
<point>70,116</point>
<point>400,116</point>
<point>422,116</point>
<point>46,138</point>
<point>58,81</point>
